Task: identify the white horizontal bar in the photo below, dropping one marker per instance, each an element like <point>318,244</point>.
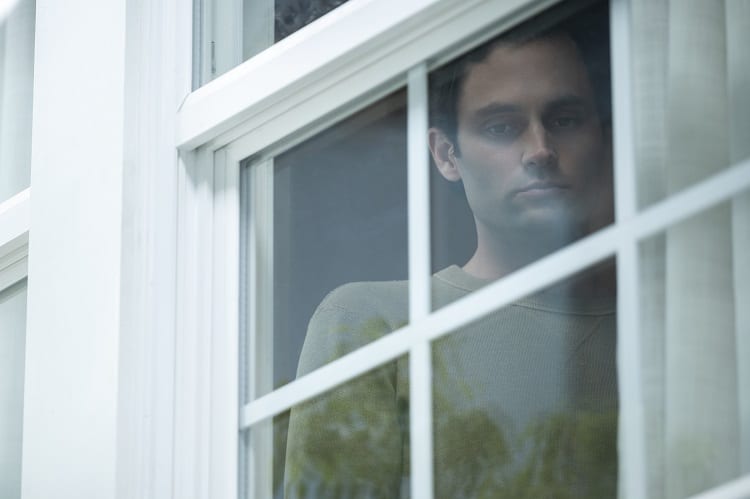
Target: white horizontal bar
<point>383,39</point>
<point>737,489</point>
<point>716,189</point>
<point>14,269</point>
<point>544,272</point>
<point>15,217</point>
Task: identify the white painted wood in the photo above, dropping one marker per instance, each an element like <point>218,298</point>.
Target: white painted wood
<point>258,313</point>
<point>309,74</point>
<point>75,243</point>
<point>418,194</point>
<point>158,64</point>
<point>14,267</point>
<point>194,321</point>
<point>224,433</point>
<point>420,359</point>
<point>735,489</point>
<point>15,217</point>
<point>632,480</point>
<point>562,263</point>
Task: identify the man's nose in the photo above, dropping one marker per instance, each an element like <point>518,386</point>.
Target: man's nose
<point>538,151</point>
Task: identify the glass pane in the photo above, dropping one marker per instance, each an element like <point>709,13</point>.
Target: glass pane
<point>520,135</point>
<point>691,92</point>
<point>339,245</point>
<point>351,442</point>
<point>12,348</point>
<point>695,291</point>
<point>16,84</point>
<point>525,399</point>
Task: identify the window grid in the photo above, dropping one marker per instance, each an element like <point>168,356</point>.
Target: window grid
<point>565,262</point>
<point>620,239</point>
<point>420,358</point>
<point>631,431</point>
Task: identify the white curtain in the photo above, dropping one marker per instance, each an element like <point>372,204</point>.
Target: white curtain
<point>16,84</point>
<point>693,120</point>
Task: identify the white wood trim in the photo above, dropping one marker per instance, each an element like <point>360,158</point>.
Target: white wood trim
<point>420,359</point>
<point>563,263</point>
<point>158,76</point>
<point>631,429</point>
<point>73,351</point>
<point>259,321</point>
<point>194,321</point>
<point>311,73</point>
<point>224,435</point>
<point>418,197</point>
<point>735,489</point>
<point>15,218</point>
<point>14,268</point>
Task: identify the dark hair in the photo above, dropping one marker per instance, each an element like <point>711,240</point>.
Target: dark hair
<point>587,28</point>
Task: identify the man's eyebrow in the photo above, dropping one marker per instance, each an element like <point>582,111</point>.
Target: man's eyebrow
<point>570,100</point>
<point>497,108</point>
<point>567,101</point>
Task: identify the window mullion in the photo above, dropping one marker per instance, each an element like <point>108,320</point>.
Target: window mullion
<point>420,362</point>
<point>631,437</point>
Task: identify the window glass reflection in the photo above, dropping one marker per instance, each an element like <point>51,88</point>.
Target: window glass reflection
<point>16,85</point>
<point>339,223</point>
<point>522,126</point>
<point>525,399</point>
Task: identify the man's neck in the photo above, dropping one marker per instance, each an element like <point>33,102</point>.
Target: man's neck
<point>498,255</point>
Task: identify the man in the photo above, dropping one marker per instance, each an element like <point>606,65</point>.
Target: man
<point>525,400</point>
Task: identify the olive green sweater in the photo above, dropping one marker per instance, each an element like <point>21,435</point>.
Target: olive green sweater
<point>525,400</point>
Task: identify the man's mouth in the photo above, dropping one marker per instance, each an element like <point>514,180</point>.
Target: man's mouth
<point>541,188</point>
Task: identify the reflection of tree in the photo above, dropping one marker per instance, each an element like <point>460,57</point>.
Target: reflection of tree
<point>354,442</point>
<point>292,15</point>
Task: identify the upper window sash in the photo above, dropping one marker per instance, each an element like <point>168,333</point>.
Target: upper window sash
<point>15,215</point>
<point>355,50</point>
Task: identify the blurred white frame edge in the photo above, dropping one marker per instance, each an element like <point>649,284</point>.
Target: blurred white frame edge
<point>14,238</point>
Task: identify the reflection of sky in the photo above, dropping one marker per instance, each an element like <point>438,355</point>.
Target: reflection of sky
<point>6,6</point>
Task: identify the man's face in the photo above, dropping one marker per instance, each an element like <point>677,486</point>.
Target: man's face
<point>531,152</point>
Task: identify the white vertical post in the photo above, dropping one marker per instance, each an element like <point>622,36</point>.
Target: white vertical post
<point>75,245</point>
<point>225,331</point>
<point>631,438</point>
<point>420,361</point>
<point>258,370</point>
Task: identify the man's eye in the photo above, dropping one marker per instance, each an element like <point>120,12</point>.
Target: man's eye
<point>502,129</point>
<point>564,122</point>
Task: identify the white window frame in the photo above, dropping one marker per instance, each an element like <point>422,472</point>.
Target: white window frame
<point>298,87</point>
<point>15,217</point>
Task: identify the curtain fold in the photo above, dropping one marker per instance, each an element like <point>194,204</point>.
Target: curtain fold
<point>692,114</point>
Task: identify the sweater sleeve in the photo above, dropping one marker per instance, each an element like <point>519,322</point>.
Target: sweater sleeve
<point>348,441</point>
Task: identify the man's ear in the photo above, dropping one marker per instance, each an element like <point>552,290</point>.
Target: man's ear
<point>443,152</point>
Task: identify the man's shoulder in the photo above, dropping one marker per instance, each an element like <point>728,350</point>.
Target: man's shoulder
<point>387,300</point>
